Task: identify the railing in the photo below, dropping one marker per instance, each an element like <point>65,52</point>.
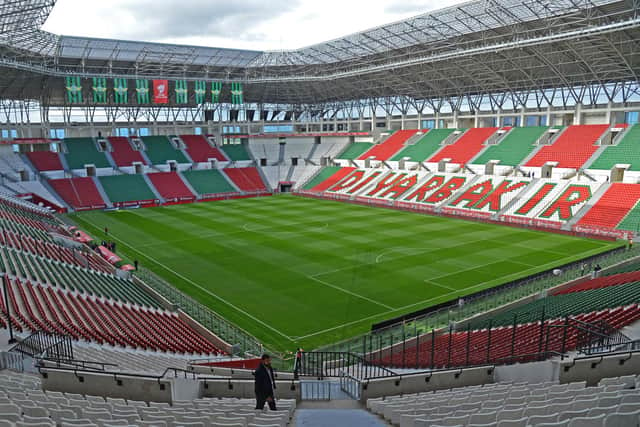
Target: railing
<point>43,345</point>
<point>548,337</point>
<point>243,343</point>
<point>321,365</point>
<point>442,317</point>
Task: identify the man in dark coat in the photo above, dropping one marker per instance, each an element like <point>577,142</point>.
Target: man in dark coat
<point>265,384</point>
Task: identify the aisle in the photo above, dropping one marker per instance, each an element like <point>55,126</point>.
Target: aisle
<point>337,418</point>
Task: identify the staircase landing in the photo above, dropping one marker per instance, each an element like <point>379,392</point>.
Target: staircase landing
<point>336,418</point>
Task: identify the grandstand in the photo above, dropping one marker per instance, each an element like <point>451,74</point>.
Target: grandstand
<point>460,246</point>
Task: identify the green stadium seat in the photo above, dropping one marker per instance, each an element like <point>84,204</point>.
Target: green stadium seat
<point>425,147</point>
<point>236,152</point>
<point>209,181</point>
<point>84,151</point>
<point>514,148</point>
<point>160,150</point>
<point>126,188</point>
<point>355,150</point>
<point>627,151</point>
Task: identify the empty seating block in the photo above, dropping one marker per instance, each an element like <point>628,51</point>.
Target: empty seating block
<point>126,188</point>
<point>631,222</point>
<point>425,146</point>
<point>200,150</point>
<point>328,178</point>
<point>79,193</point>
<point>466,147</point>
<point>123,153</point>
<point>559,306</point>
<point>84,151</point>
<point>208,181</point>
<point>572,149</point>
<point>613,207</point>
<point>322,176</point>
<point>45,160</point>
<point>246,179</point>
<point>602,282</point>
<point>390,146</point>
<point>86,318</point>
<point>236,152</point>
<point>160,150</point>
<point>514,148</point>
<point>626,152</point>
<point>170,185</point>
<point>355,150</point>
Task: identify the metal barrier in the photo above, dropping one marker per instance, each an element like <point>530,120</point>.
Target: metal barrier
<point>441,317</point>
<point>43,345</point>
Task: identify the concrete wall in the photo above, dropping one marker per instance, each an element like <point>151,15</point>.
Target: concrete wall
<point>245,389</point>
<point>424,382</point>
<point>97,384</point>
<point>593,369</point>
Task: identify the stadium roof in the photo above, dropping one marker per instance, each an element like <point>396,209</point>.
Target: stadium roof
<point>476,48</point>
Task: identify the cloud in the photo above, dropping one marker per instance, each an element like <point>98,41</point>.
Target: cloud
<point>241,24</point>
<point>201,18</point>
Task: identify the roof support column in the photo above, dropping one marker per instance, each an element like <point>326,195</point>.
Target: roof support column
<point>577,117</point>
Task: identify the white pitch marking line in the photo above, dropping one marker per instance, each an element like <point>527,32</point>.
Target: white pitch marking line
<point>198,286</point>
<point>441,286</point>
<point>351,293</point>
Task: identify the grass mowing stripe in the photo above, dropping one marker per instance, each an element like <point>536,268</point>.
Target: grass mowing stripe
<point>258,255</point>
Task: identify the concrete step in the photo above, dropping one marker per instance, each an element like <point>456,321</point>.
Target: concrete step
<point>336,418</point>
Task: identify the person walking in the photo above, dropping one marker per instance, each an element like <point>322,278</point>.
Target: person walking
<point>265,384</point>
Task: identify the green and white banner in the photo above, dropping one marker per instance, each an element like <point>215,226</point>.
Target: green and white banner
<point>74,90</point>
<point>99,90</point>
<point>216,89</point>
<point>201,92</point>
<point>182,93</point>
<point>236,94</point>
<point>142,91</point>
<point>120,91</point>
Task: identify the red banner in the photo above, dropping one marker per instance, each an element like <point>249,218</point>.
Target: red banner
<point>161,91</point>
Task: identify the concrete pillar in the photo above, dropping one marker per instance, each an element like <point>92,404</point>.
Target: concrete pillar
<point>577,117</point>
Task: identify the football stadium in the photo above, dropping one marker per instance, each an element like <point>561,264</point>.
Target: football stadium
<point>431,222</point>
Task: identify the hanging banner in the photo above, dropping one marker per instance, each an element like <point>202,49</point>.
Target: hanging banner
<point>182,93</point>
<point>216,89</point>
<point>201,92</point>
<point>74,90</point>
<point>120,91</point>
<point>160,91</point>
<point>142,91</point>
<point>236,93</point>
<point>99,90</point>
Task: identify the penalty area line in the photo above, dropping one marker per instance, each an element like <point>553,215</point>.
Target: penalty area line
<point>203,289</point>
<point>350,293</point>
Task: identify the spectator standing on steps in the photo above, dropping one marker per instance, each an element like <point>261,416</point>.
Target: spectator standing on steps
<point>265,384</point>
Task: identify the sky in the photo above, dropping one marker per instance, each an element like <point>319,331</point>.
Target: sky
<point>243,24</point>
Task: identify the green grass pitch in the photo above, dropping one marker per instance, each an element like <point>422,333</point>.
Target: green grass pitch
<point>305,272</point>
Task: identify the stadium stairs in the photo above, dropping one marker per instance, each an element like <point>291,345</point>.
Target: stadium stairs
<point>79,193</point>
<point>573,148</point>
<point>123,153</point>
<point>425,147</point>
<point>466,147</point>
<point>170,186</point>
<point>200,150</point>
<point>612,208</point>
<point>390,146</point>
